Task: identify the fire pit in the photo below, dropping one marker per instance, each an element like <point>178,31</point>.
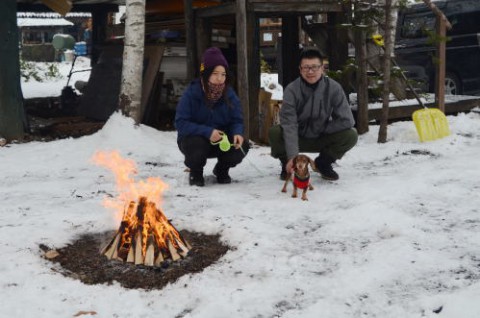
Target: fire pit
<point>145,235</point>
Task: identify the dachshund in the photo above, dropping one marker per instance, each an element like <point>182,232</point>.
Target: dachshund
<point>301,176</point>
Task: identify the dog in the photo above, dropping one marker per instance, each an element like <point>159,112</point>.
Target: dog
<point>301,176</point>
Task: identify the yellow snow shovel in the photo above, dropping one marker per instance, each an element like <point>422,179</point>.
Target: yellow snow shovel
<point>430,123</point>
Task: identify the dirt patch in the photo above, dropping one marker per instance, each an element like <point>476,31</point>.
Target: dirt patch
<point>82,260</point>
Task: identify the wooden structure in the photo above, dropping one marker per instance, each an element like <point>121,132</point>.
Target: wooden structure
<point>246,15</point>
<point>99,9</point>
<point>241,17</point>
<point>405,112</point>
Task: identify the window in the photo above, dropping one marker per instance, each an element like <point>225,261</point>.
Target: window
<point>416,26</point>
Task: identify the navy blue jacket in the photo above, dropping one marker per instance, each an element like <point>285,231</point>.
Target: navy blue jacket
<point>194,118</point>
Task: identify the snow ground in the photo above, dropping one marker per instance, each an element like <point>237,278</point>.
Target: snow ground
<point>397,236</point>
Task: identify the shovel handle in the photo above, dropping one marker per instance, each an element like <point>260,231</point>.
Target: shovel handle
<point>379,42</point>
<point>406,81</point>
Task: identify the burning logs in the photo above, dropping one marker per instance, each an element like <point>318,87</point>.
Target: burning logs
<point>146,237</point>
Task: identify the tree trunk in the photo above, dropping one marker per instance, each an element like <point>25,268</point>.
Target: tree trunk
<point>362,80</point>
<point>12,114</point>
<point>131,86</point>
<point>382,133</point>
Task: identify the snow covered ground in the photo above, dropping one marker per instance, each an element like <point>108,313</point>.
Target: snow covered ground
<point>397,236</point>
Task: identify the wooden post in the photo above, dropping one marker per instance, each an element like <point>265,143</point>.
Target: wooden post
<point>441,30</point>
<point>244,26</point>
<point>190,39</point>
<point>337,41</point>
<point>12,113</point>
<point>99,33</point>
<point>203,39</point>
<point>290,49</point>
<point>362,80</point>
<point>387,58</point>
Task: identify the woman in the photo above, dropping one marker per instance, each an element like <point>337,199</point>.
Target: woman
<point>208,109</point>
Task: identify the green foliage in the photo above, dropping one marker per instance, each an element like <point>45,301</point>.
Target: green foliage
<point>29,71</point>
<point>38,71</point>
<point>433,38</point>
<point>345,76</point>
<point>52,71</point>
<point>264,66</point>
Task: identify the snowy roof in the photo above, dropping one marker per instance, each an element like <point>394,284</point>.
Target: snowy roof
<point>47,18</point>
<point>53,15</point>
<point>23,22</point>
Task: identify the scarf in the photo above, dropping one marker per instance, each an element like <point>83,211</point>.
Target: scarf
<point>215,91</point>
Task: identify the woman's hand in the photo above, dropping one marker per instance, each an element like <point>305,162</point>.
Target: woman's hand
<point>216,135</point>
<point>237,141</point>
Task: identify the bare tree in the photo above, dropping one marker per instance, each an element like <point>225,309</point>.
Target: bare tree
<point>12,114</point>
<point>382,133</point>
<point>130,100</point>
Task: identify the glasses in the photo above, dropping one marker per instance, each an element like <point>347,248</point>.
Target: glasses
<point>306,68</point>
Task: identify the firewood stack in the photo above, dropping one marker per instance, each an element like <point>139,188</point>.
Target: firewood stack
<point>146,237</point>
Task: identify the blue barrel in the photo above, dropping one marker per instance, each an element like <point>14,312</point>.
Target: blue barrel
<point>80,48</point>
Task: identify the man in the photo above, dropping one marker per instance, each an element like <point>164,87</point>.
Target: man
<point>314,117</point>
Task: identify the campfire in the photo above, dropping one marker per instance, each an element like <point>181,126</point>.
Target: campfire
<point>145,235</point>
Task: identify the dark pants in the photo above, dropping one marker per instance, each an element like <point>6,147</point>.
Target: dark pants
<point>334,145</point>
<point>198,149</point>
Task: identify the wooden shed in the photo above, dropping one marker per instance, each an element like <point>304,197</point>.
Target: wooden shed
<point>244,16</point>
<point>199,20</point>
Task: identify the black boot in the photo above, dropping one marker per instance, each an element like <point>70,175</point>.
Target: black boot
<point>324,165</point>
<point>196,178</point>
<point>222,174</point>
<point>283,172</point>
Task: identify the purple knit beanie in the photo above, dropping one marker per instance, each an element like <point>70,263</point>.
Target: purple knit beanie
<point>213,57</point>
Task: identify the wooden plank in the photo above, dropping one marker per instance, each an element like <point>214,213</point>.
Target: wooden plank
<point>295,8</point>
<point>316,2</point>
<point>216,11</point>
<point>173,251</point>
<point>131,255</point>
<point>184,250</point>
<point>112,248</point>
<point>153,57</point>
<point>138,248</point>
<point>149,255</point>
<point>159,259</point>
<point>403,112</point>
<point>265,115</point>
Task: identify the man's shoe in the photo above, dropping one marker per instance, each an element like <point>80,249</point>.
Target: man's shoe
<point>283,172</point>
<point>323,164</point>
<point>196,178</point>
<point>222,175</point>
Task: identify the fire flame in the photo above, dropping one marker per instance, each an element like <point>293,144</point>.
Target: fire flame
<point>128,189</point>
<point>143,225</point>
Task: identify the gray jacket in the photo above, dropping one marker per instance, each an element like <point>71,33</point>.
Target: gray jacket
<point>311,113</point>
